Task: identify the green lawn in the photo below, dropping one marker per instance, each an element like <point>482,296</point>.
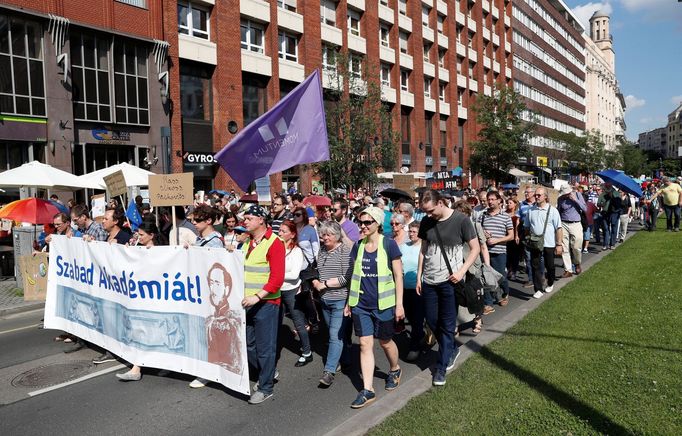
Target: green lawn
<point>604,355</point>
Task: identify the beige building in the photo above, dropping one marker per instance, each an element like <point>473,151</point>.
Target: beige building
<point>675,133</point>
<point>604,103</point>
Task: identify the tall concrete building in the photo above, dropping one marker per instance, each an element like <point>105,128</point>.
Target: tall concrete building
<point>549,71</point>
<point>655,141</point>
<point>674,128</point>
<point>604,105</point>
<point>81,84</point>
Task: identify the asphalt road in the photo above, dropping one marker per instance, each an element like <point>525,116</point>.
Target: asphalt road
<point>165,405</point>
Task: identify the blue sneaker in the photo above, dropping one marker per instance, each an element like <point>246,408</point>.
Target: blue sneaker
<point>364,397</point>
<point>393,379</point>
<point>453,360</point>
<point>439,379</point>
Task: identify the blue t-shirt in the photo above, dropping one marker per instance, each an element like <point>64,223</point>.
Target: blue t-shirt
<point>410,258</point>
<point>369,289</point>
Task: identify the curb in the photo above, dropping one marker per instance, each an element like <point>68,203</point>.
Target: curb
<point>21,309</point>
<point>367,418</point>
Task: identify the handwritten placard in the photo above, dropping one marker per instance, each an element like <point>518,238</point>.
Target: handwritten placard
<point>171,189</point>
<point>116,184</point>
<point>404,182</point>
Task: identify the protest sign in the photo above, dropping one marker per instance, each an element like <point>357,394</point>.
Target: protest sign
<point>164,307</point>
<point>34,275</point>
<point>263,190</point>
<point>116,184</point>
<point>99,205</point>
<point>171,189</point>
<point>404,182</point>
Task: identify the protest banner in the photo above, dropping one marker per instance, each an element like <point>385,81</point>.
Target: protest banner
<point>171,189</point>
<point>116,184</point>
<point>34,276</point>
<point>164,307</point>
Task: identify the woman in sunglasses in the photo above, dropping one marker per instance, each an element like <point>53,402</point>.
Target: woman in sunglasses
<point>375,300</point>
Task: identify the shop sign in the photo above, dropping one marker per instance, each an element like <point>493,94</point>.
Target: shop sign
<point>198,158</point>
<point>104,134</point>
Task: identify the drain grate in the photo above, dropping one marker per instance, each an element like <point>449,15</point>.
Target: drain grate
<point>50,375</point>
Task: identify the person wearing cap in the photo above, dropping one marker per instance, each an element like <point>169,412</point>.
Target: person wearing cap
<point>375,300</point>
<point>437,277</point>
<point>380,203</point>
<point>571,206</point>
<point>672,201</point>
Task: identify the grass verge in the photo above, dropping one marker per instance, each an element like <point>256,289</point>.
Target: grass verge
<point>603,356</point>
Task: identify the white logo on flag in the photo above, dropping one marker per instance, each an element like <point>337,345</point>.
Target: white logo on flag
<point>266,132</point>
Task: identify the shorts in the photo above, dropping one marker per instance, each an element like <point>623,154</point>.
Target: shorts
<point>377,323</point>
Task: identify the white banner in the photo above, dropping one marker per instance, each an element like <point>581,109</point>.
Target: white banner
<point>164,307</point>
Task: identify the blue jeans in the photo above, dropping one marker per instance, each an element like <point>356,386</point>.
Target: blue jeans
<point>440,308</point>
<point>339,333</point>
<point>295,307</point>
<point>598,227</point>
<point>670,213</point>
<point>611,229</point>
<point>414,312</point>
<point>261,342</point>
<point>499,263</point>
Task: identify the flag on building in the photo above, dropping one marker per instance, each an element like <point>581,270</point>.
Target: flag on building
<point>133,215</point>
<point>293,132</point>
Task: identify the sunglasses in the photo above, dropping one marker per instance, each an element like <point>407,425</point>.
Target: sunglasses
<point>298,214</point>
<point>333,209</point>
<point>395,224</point>
<point>197,220</point>
<point>366,223</point>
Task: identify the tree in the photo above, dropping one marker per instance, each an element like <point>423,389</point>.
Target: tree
<point>359,128</point>
<point>585,154</point>
<point>632,160</point>
<point>503,136</point>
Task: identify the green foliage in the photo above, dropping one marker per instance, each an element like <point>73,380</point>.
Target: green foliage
<point>633,160</point>
<point>585,154</point>
<point>361,138</point>
<point>503,136</point>
<point>599,357</point>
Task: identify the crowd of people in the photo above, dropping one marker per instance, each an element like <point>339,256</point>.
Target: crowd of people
<point>370,265</point>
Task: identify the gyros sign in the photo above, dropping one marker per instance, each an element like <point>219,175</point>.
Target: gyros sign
<point>199,158</point>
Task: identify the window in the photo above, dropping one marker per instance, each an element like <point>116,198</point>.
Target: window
<point>355,65</point>
<point>402,7</point>
<point>441,20</point>
<point>441,91</point>
<point>90,77</point>
<point>138,3</point>
<point>289,5</point>
<point>460,96</point>
<point>130,83</point>
<point>428,140</point>
<point>472,65</point>
<point>354,22</point>
<point>22,82</point>
<point>329,57</point>
<point>404,80</point>
<point>385,35</point>
<point>386,75</point>
<point>195,92</point>
<point>403,41</point>
<point>405,131</point>
<point>193,20</point>
<point>460,65</point>
<point>443,137</point>
<point>254,98</point>
<point>384,2</point>
<point>252,36</point>
<point>427,87</point>
<point>288,47</point>
<point>471,40</point>
<point>328,12</point>
<point>441,57</point>
<point>427,49</point>
<point>425,15</point>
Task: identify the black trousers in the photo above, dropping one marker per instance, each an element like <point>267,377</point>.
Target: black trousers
<point>549,267</point>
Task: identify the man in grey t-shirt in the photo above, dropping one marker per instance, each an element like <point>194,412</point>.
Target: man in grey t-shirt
<point>434,281</point>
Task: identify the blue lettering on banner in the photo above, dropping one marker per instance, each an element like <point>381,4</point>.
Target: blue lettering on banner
<point>176,288</point>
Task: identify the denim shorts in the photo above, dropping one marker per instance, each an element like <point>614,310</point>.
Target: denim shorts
<point>377,323</point>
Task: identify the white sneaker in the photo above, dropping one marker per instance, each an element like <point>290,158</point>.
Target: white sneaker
<point>549,289</point>
<point>198,383</point>
<point>538,294</point>
<point>585,250</point>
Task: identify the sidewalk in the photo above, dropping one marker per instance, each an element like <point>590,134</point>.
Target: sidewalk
<point>12,300</point>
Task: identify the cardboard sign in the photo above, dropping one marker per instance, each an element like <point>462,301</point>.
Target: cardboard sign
<point>171,189</point>
<point>34,274</point>
<point>404,182</point>
<point>116,184</point>
<point>99,205</point>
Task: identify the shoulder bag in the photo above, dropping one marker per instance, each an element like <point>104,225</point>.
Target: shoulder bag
<point>537,242</point>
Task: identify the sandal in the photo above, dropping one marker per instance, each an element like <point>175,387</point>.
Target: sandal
<point>478,325</point>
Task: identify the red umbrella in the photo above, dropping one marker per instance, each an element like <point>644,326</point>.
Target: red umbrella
<point>317,200</point>
<point>249,198</point>
<point>29,210</point>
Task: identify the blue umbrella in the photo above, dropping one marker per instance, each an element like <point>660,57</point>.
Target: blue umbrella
<point>622,181</point>
<point>61,207</point>
<point>510,186</point>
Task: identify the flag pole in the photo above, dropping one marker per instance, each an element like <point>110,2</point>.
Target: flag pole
<point>126,215</point>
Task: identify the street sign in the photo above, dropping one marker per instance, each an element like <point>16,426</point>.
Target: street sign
<point>171,189</point>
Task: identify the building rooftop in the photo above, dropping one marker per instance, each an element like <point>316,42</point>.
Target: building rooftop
<point>599,14</point>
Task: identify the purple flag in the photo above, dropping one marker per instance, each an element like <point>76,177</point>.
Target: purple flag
<point>293,132</point>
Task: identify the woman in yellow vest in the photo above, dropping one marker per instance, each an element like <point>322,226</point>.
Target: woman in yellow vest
<point>375,300</point>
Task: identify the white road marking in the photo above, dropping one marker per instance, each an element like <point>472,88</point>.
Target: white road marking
<point>78,380</point>
<point>20,328</point>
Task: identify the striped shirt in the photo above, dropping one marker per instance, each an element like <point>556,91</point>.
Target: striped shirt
<point>334,264</point>
<point>497,225</point>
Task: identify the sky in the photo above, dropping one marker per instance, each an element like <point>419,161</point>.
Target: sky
<point>647,38</point>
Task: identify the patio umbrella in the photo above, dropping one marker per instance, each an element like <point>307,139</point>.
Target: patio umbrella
<point>61,207</point>
<point>510,186</point>
<point>317,200</point>
<point>29,210</point>
<point>395,194</point>
<point>133,175</point>
<point>622,181</point>
<point>40,175</point>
